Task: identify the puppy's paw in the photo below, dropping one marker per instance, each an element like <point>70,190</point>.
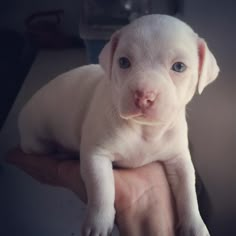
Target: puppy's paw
<point>98,222</point>
<point>194,227</point>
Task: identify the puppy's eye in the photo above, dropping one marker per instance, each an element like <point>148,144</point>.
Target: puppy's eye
<point>124,63</point>
<point>179,67</point>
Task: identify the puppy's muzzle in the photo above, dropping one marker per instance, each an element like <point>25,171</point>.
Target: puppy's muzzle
<point>144,100</point>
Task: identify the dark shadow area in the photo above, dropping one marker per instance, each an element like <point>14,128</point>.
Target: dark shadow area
<point>17,54</point>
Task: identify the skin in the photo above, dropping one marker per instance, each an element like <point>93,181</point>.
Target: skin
<point>143,200</point>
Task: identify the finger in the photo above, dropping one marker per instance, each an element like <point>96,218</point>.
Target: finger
<point>13,154</point>
<point>48,170</point>
<point>69,173</point>
<point>41,167</point>
<point>20,159</point>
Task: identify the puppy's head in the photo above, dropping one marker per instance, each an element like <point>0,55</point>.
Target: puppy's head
<point>155,65</point>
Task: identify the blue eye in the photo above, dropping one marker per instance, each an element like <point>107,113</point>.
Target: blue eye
<point>179,67</point>
<point>124,63</point>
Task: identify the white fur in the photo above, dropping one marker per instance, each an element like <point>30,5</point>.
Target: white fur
<point>91,110</point>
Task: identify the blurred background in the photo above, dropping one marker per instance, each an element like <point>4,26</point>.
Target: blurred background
<point>41,39</point>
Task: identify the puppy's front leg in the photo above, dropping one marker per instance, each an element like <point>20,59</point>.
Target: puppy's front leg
<point>181,177</point>
<point>98,177</point>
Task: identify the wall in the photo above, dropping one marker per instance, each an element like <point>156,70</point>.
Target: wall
<point>212,115</point>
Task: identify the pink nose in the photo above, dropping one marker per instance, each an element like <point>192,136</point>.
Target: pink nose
<point>144,100</point>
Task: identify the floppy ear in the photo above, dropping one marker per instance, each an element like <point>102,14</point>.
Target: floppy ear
<point>107,53</point>
<point>208,68</point>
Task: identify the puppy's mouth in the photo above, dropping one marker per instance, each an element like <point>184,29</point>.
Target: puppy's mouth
<point>142,117</point>
<point>131,115</point>
<point>138,115</point>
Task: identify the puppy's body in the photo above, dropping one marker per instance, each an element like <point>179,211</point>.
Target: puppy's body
<point>72,93</point>
<point>85,110</point>
<point>129,112</point>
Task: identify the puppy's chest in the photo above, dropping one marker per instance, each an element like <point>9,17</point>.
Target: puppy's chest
<point>138,152</point>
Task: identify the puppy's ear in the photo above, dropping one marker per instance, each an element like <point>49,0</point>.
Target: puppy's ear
<point>208,68</point>
<point>107,53</point>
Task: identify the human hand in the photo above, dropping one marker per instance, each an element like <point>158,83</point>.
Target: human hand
<point>143,199</point>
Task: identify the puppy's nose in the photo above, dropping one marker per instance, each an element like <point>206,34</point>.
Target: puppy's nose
<point>144,100</point>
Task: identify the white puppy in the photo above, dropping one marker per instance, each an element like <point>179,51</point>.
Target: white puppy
<point>128,112</point>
